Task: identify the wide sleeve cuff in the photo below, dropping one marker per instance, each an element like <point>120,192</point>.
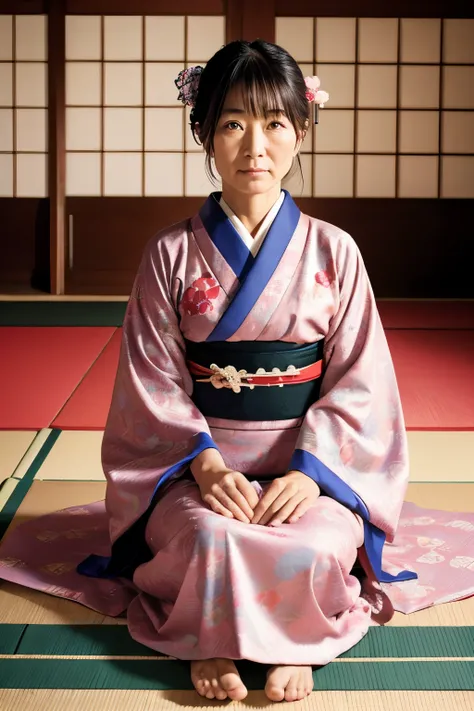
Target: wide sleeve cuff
<point>336,488</point>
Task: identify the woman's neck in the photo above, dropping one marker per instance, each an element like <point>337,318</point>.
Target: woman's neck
<point>251,209</point>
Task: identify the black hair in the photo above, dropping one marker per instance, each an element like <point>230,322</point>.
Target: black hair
<point>270,79</point>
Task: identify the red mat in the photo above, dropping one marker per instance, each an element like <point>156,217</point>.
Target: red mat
<point>435,371</point>
<point>427,314</point>
<point>89,406</point>
<point>39,369</point>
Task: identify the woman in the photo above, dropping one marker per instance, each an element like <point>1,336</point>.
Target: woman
<point>255,445</point>
<point>253,284</point>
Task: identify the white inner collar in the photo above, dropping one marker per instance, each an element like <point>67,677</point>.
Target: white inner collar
<point>253,243</point>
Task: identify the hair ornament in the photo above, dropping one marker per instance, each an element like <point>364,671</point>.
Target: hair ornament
<point>188,84</point>
<point>315,95</point>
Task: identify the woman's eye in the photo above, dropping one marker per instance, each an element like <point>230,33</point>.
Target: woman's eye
<point>233,125</point>
<point>276,124</point>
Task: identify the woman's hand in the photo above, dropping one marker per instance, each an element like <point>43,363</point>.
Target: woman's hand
<point>286,499</point>
<point>227,492</point>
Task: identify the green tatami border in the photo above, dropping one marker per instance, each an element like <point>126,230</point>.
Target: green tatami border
<point>115,640</point>
<point>10,637</point>
<point>174,675</point>
<point>11,506</point>
<point>50,312</point>
<point>62,313</point>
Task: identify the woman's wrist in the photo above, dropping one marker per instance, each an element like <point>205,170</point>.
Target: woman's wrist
<point>296,473</point>
<point>208,461</point>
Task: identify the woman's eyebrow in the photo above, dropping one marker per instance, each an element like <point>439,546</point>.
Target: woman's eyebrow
<point>233,111</point>
<point>276,112</point>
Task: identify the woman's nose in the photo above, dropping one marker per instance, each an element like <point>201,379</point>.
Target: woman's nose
<point>254,142</point>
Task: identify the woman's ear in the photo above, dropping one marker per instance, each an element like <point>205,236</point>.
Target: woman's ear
<point>301,136</point>
<point>299,142</point>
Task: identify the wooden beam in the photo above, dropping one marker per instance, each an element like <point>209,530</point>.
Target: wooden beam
<point>22,7</point>
<point>258,20</point>
<point>374,8</point>
<point>234,13</point>
<point>145,7</point>
<point>57,142</point>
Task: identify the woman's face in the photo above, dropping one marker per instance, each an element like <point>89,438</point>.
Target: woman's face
<point>252,155</point>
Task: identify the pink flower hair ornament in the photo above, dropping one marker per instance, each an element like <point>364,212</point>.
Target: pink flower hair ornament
<point>315,95</point>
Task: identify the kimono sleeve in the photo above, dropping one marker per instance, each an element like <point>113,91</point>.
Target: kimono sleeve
<point>153,430</point>
<point>353,440</point>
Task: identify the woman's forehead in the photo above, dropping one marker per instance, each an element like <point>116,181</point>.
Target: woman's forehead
<point>236,103</point>
<point>234,99</point>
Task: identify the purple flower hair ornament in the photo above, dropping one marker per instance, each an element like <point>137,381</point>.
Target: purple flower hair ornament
<point>188,83</point>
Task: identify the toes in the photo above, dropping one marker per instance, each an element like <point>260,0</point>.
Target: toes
<point>217,690</point>
<point>274,693</point>
<point>291,691</point>
<point>306,683</point>
<point>234,689</point>
<point>230,681</point>
<point>289,683</point>
<point>301,693</point>
<point>201,687</point>
<point>210,689</point>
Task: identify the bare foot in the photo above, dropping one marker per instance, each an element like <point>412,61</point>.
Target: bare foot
<point>289,683</point>
<point>217,679</point>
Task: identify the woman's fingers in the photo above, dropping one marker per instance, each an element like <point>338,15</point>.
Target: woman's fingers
<point>240,491</point>
<point>283,501</point>
<point>271,494</point>
<point>300,511</point>
<point>231,505</point>
<point>248,491</point>
<point>232,492</point>
<point>217,507</point>
<point>287,510</point>
<point>275,498</point>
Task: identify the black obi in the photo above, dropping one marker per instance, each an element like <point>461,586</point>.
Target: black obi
<point>262,402</point>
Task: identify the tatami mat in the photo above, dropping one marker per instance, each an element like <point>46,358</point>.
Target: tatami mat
<point>40,368</point>
<point>13,446</point>
<point>121,700</point>
<point>75,456</point>
<point>441,456</point>
<point>88,407</point>
<point>434,372</point>
<point>434,456</point>
<point>48,496</point>
<point>447,496</point>
<point>19,605</point>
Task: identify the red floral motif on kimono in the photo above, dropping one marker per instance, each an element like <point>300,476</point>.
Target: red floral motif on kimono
<point>269,598</point>
<point>325,278</point>
<point>198,298</point>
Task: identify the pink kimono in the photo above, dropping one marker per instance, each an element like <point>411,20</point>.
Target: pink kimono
<point>195,584</point>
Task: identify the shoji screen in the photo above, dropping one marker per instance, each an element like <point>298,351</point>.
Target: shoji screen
<point>23,106</point>
<point>126,133</point>
<point>400,120</point>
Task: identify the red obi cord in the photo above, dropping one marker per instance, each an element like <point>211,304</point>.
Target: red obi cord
<point>303,375</point>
